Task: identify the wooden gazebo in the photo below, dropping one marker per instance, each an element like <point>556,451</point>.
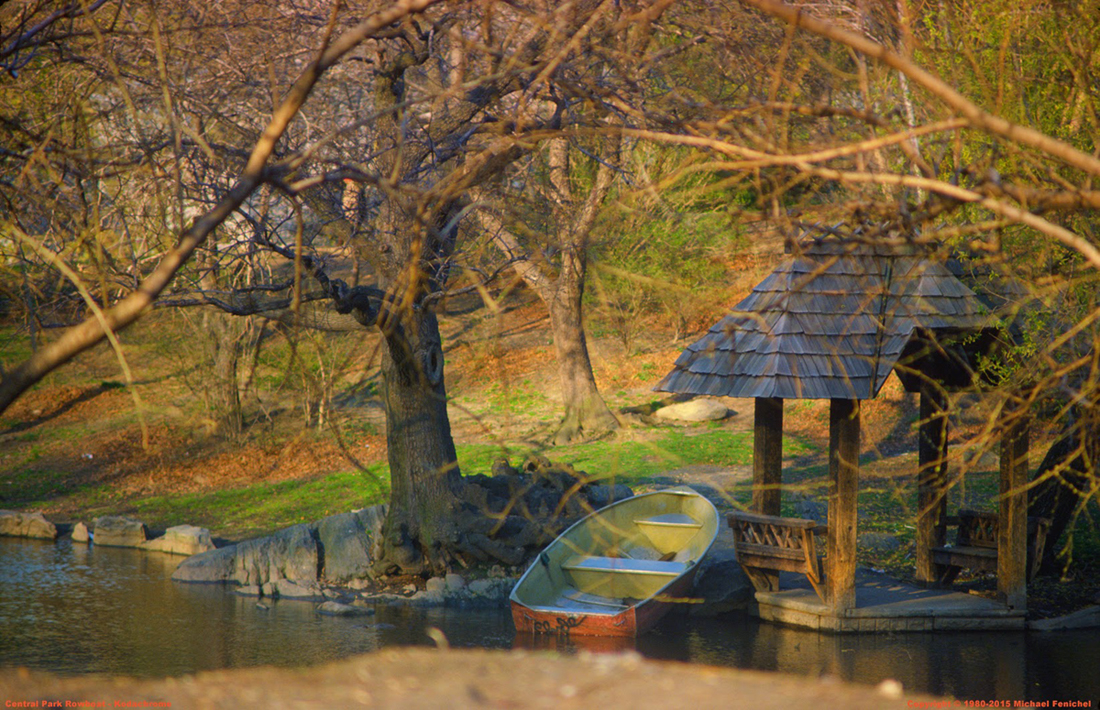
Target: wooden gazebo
<point>832,322</point>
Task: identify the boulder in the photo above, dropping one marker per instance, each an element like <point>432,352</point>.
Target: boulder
<point>427,598</point>
<point>182,540</point>
<point>17,524</point>
<point>289,554</point>
<point>455,582</point>
<point>285,589</point>
<point>80,533</point>
<point>435,584</point>
<point>337,609</point>
<point>720,584</point>
<point>118,531</point>
<point>695,410</point>
<point>345,543</point>
<point>490,587</point>
<point>600,495</point>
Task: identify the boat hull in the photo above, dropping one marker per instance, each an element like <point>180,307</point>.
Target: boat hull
<point>619,570</point>
<point>629,623</point>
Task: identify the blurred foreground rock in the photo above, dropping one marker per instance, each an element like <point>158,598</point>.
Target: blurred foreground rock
<point>464,678</point>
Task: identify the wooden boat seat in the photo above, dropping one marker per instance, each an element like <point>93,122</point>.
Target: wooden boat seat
<point>669,532</point>
<point>624,565</point>
<point>621,577</point>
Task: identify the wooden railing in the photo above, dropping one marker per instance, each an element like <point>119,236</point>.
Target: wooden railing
<point>765,543</point>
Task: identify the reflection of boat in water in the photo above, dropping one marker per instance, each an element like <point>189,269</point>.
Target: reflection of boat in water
<point>619,570</point>
<point>568,644</point>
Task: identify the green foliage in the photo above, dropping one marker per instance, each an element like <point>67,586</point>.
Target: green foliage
<point>666,265</point>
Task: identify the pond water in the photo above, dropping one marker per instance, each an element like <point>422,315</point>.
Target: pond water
<point>76,609</point>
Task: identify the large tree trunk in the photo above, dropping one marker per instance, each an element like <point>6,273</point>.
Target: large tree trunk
<point>586,414</point>
<point>421,526</point>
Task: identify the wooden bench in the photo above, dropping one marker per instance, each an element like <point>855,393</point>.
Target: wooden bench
<point>767,542</point>
<point>975,545</point>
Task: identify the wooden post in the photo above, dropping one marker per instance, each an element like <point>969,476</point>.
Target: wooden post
<point>843,487</point>
<point>931,479</point>
<point>1012,519</point>
<point>767,456</point>
<point>767,465</point>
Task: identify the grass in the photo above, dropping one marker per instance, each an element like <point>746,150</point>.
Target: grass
<point>634,461</point>
<point>265,507</point>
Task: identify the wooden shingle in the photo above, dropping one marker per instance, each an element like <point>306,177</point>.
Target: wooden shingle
<point>826,325</point>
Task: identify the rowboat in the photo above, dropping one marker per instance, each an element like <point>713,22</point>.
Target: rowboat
<point>617,571</point>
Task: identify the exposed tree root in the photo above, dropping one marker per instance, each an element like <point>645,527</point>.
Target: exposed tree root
<point>505,518</point>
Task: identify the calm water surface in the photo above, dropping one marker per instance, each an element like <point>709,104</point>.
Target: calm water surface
<point>76,609</point>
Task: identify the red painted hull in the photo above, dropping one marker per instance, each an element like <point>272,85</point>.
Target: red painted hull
<point>629,623</point>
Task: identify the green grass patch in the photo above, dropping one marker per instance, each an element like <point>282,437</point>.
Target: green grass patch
<point>30,485</point>
<point>634,460</point>
<point>265,507</point>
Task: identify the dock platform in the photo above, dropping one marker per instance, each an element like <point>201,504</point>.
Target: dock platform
<point>885,604</point>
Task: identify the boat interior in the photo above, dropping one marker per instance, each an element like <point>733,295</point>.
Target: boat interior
<point>627,553</point>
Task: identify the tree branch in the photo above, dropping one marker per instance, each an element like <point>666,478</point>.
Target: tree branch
<point>82,337</point>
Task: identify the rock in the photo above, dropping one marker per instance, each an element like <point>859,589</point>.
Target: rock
<point>721,584</point>
<point>878,542</point>
<point>695,410</point>
<point>455,582</point>
<point>285,589</point>
<point>80,533</point>
<point>182,540</point>
<point>409,589</point>
<point>435,584</point>
<point>481,586</point>
<point>600,495</point>
<point>248,591</point>
<point>1086,618</point>
<point>427,598</point>
<point>118,531</point>
<point>331,608</point>
<point>17,524</point>
<point>345,542</point>
<point>289,554</point>
<point>491,588</point>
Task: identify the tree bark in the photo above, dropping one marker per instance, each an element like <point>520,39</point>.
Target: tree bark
<point>585,411</point>
<point>420,528</point>
<point>223,394</point>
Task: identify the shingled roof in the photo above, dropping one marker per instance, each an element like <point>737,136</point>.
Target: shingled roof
<point>827,324</point>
